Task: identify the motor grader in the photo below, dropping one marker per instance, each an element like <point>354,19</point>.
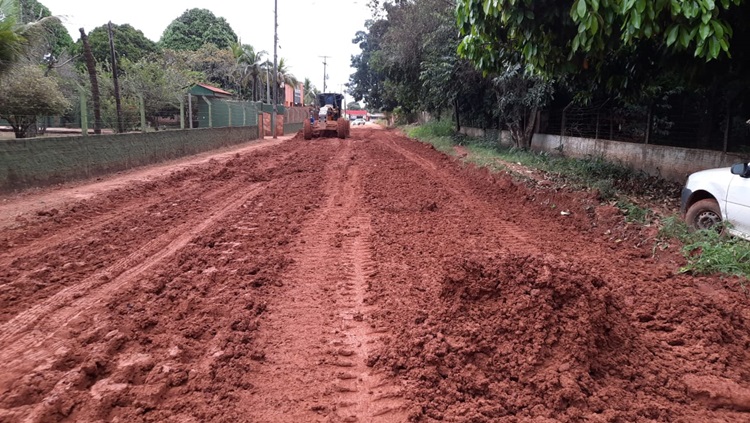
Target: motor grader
<point>331,122</point>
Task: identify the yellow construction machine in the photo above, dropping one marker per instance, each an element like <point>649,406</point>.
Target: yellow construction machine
<point>330,120</point>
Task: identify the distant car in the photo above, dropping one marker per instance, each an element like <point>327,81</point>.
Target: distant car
<point>717,195</point>
<point>358,121</point>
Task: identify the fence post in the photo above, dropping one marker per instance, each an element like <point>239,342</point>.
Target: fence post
<point>261,129</point>
<point>244,114</point>
<point>727,129</point>
<point>142,106</point>
<point>596,137</point>
<point>84,115</point>
<point>210,113</point>
<point>648,124</point>
<point>182,113</point>
<point>229,112</point>
<point>190,111</point>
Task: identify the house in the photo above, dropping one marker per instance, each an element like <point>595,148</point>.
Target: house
<point>294,96</point>
<point>205,90</point>
<point>353,114</point>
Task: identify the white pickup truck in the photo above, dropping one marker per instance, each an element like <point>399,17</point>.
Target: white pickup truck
<point>716,195</point>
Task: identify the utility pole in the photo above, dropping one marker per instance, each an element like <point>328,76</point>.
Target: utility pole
<point>325,75</point>
<point>120,127</point>
<point>275,69</point>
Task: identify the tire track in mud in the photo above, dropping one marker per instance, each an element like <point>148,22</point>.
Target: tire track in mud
<point>64,246</point>
<point>33,336</point>
<point>508,233</point>
<point>23,335</point>
<point>328,319</point>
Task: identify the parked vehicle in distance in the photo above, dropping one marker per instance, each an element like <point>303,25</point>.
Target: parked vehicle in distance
<point>713,196</point>
<point>358,121</point>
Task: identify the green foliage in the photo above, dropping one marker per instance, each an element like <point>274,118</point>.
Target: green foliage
<point>635,213</point>
<point>708,251</point>
<point>130,43</point>
<point>438,133</point>
<point>11,38</point>
<point>432,129</point>
<point>409,61</point>
<point>216,65</point>
<point>551,35</point>
<point>160,86</point>
<point>250,65</point>
<point>195,28</point>
<point>26,94</point>
<point>520,96</point>
<point>54,39</point>
<point>369,80</point>
<point>310,92</point>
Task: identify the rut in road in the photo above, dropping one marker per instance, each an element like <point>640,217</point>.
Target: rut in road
<point>323,336</point>
<point>42,337</point>
<point>42,258</point>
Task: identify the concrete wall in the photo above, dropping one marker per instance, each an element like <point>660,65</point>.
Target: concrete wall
<point>671,163</point>
<point>39,162</point>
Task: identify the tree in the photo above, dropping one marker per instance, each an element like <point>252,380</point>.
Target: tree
<point>11,36</point>
<point>409,60</point>
<point>17,37</point>
<point>368,82</point>
<point>130,43</point>
<point>354,106</point>
<point>161,86</point>
<point>26,94</point>
<point>284,77</point>
<point>216,65</point>
<point>519,97</point>
<point>54,41</point>
<point>559,36</point>
<point>249,68</point>
<point>195,28</point>
<point>311,93</point>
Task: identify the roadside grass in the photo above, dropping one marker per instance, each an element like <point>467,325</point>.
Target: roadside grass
<point>706,252</point>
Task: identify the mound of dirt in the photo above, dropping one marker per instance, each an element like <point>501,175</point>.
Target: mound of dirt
<point>517,335</point>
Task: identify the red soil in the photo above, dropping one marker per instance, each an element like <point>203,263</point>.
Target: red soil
<point>371,279</point>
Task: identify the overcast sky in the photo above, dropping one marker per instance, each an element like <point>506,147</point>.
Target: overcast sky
<point>307,28</point>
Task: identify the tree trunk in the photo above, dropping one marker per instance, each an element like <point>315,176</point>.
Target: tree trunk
<point>91,67</point>
<point>20,125</point>
<point>458,117</point>
<point>528,133</point>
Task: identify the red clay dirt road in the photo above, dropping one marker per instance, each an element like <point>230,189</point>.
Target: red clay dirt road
<point>363,280</point>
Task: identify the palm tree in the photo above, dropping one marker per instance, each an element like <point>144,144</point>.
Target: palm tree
<point>284,77</point>
<point>311,92</point>
<point>249,67</point>
<point>12,40</point>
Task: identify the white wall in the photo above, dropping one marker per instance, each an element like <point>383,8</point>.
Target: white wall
<point>671,163</point>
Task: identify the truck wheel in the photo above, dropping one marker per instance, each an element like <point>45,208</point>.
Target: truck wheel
<point>307,130</point>
<point>341,128</point>
<point>704,214</point>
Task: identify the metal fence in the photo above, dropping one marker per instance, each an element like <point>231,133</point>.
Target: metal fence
<point>199,112</point>
<point>683,122</point>
<point>691,120</point>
